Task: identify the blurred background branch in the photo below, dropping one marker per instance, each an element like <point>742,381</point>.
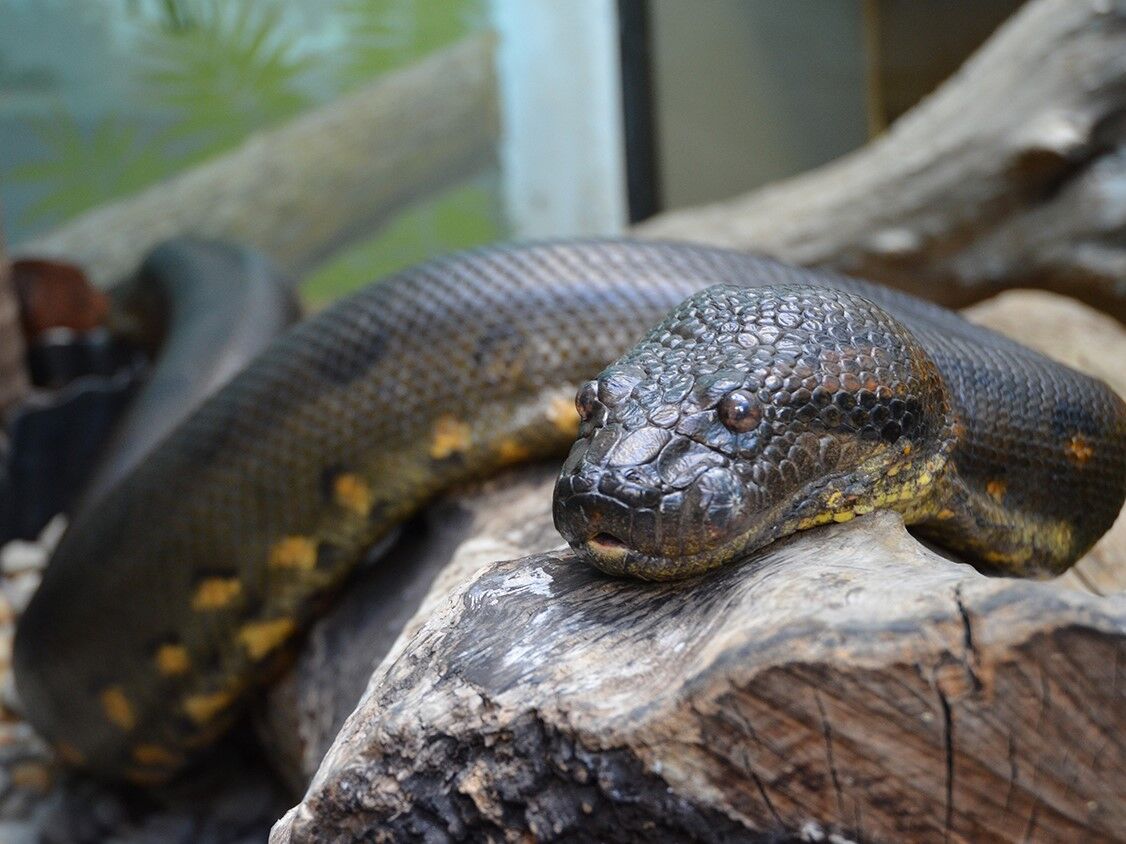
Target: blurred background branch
<point>303,190</point>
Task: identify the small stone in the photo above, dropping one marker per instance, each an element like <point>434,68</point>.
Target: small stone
<point>32,776</point>
<point>18,556</point>
<point>51,534</point>
<point>20,588</point>
<point>10,705</point>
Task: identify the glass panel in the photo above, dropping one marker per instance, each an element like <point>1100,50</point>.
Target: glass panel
<point>101,98</point>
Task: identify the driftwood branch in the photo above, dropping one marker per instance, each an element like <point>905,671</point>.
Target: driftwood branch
<point>849,679</point>
<point>305,189</point>
<point>1012,173</point>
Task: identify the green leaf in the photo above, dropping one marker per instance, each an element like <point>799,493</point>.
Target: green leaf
<point>225,69</point>
<point>386,34</point>
<point>464,216</point>
<point>81,169</point>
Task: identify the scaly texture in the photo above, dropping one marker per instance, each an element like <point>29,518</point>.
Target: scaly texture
<point>165,605</point>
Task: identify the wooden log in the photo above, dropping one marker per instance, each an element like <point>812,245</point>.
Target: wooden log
<point>1013,173</point>
<point>849,679</point>
<point>304,189</point>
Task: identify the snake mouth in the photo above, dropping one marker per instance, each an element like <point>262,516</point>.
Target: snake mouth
<point>607,542</point>
<point>607,548</point>
<point>681,511</point>
<point>615,557</point>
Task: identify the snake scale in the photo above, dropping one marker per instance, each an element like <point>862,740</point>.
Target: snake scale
<point>772,400</point>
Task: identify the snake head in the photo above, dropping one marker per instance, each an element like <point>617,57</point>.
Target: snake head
<point>747,414</point>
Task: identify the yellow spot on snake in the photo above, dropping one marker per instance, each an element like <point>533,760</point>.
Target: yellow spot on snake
<point>294,552</point>
<point>450,436</point>
<point>1080,449</point>
<point>906,449</point>
<point>925,478</point>
<point>154,754</point>
<point>945,513</point>
<point>172,660</point>
<point>843,517</point>
<point>353,493</point>
<point>69,753</point>
<point>261,637</point>
<point>142,776</point>
<point>202,708</point>
<point>117,707</point>
<point>563,415</point>
<point>511,451</point>
<point>834,499</point>
<point>996,490</point>
<point>214,593</point>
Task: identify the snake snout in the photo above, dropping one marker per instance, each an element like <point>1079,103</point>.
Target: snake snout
<point>637,501</point>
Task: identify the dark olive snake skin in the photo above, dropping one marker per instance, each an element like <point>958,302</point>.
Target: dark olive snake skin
<point>780,400</point>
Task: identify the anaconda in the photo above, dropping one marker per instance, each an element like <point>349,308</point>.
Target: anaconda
<point>772,400</point>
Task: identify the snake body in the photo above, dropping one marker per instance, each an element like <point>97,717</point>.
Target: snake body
<point>780,399</point>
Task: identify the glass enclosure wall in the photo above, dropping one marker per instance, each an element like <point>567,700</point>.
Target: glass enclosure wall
<point>100,99</point>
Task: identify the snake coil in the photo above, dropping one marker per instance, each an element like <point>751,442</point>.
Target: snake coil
<point>780,399</point>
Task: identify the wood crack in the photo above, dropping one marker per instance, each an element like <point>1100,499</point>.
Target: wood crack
<point>948,741</point>
<point>970,658</point>
<point>827,732</point>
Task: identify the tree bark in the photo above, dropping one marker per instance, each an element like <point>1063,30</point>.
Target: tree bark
<point>848,680</point>
<point>1012,174</point>
<point>305,189</point>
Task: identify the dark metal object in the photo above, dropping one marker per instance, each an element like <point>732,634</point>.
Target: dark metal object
<point>206,307</point>
<point>643,183</point>
<point>56,435</point>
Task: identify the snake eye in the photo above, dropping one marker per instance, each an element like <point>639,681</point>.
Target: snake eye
<point>586,400</point>
<point>739,411</point>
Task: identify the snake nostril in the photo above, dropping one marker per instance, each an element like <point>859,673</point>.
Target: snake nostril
<point>587,400</point>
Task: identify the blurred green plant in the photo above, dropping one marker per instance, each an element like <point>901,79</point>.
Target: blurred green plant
<point>207,73</point>
<point>80,169</point>
<point>385,34</point>
<point>461,217</point>
<point>225,68</point>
